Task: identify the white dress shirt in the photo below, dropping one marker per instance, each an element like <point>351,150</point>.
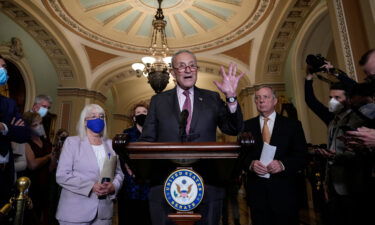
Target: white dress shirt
<point>270,122</point>
<point>100,155</point>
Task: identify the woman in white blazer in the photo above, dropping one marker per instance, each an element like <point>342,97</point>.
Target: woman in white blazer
<point>86,198</point>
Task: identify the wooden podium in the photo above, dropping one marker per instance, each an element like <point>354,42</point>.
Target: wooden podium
<point>176,150</point>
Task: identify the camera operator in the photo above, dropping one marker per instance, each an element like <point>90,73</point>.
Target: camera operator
<point>343,183</point>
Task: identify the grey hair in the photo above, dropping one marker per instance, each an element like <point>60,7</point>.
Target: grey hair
<point>81,125</point>
<point>40,98</point>
<point>267,86</point>
<point>179,52</point>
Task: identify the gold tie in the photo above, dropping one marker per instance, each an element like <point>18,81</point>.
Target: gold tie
<point>266,131</point>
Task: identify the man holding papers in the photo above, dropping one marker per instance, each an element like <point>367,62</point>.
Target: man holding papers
<point>272,165</point>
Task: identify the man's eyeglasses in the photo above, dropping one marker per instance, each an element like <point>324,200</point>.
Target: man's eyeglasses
<point>182,68</point>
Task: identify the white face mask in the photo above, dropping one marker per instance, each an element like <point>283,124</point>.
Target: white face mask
<point>42,111</point>
<point>38,130</point>
<point>334,106</point>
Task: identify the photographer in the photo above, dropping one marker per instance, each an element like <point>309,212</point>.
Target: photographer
<point>344,183</point>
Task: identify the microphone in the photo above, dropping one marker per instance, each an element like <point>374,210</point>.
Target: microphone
<point>182,122</point>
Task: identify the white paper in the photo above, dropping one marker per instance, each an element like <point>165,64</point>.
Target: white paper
<point>109,167</point>
<point>268,153</point>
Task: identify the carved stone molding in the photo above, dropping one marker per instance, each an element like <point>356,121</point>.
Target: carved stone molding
<point>16,49</point>
<point>344,39</point>
<point>77,92</point>
<point>285,35</point>
<point>42,36</point>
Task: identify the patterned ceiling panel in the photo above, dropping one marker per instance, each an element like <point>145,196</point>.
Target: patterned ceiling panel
<point>195,24</point>
<point>205,22</point>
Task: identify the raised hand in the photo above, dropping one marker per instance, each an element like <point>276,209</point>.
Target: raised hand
<point>228,85</point>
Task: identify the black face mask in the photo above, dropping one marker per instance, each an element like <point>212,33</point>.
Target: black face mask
<point>370,78</point>
<point>140,119</point>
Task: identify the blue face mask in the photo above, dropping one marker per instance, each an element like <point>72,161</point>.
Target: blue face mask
<point>42,111</point>
<point>96,125</point>
<point>3,76</point>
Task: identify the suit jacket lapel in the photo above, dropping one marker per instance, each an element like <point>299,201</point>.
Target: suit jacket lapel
<point>276,131</point>
<point>91,157</point>
<point>197,107</point>
<point>258,133</point>
<point>173,102</point>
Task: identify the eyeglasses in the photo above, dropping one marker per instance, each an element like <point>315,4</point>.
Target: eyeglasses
<point>93,117</point>
<point>182,68</point>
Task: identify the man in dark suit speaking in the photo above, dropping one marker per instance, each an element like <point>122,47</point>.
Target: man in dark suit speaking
<point>203,110</point>
<point>272,189</point>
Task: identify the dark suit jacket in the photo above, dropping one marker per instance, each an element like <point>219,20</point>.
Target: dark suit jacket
<point>209,112</point>
<point>279,191</point>
<point>8,111</point>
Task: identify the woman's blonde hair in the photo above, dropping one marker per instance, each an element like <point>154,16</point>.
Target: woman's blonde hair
<point>87,110</point>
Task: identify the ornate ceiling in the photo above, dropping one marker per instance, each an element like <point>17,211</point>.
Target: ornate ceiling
<point>197,25</point>
<point>92,42</point>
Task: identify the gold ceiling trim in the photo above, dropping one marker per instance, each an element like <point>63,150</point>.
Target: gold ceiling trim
<point>285,34</point>
<point>41,35</point>
<point>261,12</point>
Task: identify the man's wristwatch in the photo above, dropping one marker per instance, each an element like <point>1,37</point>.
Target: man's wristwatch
<point>231,99</point>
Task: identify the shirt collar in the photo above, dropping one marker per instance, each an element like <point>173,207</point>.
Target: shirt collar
<point>180,90</point>
<point>271,117</point>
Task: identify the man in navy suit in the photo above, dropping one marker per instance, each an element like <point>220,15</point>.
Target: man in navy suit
<point>12,128</point>
<point>273,200</point>
<point>206,112</point>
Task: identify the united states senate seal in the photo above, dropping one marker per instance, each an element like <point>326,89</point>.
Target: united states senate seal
<point>184,189</point>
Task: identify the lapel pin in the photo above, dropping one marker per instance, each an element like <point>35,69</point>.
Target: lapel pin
<point>200,99</point>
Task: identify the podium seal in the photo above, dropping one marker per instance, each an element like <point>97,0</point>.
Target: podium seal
<point>184,190</point>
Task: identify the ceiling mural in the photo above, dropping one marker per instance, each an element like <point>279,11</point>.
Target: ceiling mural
<point>197,25</point>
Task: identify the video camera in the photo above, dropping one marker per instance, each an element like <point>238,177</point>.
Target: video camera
<point>316,62</point>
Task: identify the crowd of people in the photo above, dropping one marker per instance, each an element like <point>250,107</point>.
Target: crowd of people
<point>349,171</point>
<point>76,179</point>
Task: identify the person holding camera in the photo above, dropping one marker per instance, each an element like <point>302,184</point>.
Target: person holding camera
<point>344,170</point>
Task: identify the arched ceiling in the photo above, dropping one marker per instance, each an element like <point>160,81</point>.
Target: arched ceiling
<point>102,38</point>
<point>197,25</point>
